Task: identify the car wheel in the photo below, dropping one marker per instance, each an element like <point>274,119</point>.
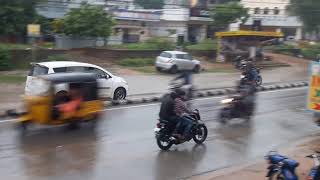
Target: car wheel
<point>196,69</point>
<point>174,69</point>
<point>119,94</point>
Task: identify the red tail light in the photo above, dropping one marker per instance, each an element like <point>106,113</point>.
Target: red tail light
<point>309,178</point>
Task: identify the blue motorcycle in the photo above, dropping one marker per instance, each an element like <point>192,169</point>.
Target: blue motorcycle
<point>281,167</point>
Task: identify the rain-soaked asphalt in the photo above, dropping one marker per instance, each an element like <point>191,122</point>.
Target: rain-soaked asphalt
<point>124,147</point>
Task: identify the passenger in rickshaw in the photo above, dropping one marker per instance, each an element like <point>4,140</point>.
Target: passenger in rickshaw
<point>74,99</point>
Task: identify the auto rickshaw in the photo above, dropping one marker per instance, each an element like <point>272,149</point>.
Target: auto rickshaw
<point>54,93</point>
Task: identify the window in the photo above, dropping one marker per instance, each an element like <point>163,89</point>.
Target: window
<point>166,55</point>
<point>187,56</point>
<point>276,11</point>
<point>100,74</point>
<point>75,69</point>
<point>266,11</point>
<point>180,56</point>
<point>60,70</point>
<point>38,70</point>
<point>257,11</point>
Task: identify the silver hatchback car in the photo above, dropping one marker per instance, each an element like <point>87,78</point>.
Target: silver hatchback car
<point>174,61</point>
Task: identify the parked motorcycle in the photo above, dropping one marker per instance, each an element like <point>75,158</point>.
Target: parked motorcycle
<point>165,138</point>
<point>231,111</point>
<point>282,167</point>
<point>244,79</point>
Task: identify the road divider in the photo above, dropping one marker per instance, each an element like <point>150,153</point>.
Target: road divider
<point>211,93</point>
<point>197,94</point>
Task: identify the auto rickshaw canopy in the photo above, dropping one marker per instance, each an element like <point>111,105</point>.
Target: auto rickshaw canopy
<point>69,77</point>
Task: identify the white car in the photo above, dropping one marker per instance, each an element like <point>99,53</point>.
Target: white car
<point>174,61</point>
<point>110,86</point>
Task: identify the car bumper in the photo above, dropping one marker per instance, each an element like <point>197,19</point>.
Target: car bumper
<point>164,66</point>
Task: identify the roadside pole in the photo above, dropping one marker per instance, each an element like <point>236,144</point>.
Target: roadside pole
<point>33,34</point>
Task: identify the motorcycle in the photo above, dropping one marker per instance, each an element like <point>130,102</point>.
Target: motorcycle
<point>244,79</point>
<point>281,167</point>
<point>165,138</point>
<point>230,110</point>
<point>239,62</point>
<point>188,89</point>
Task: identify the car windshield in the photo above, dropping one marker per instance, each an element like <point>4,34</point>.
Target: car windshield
<point>38,70</point>
<point>165,54</point>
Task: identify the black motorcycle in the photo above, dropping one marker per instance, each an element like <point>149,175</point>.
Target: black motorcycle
<point>232,110</point>
<point>165,138</point>
<point>244,79</point>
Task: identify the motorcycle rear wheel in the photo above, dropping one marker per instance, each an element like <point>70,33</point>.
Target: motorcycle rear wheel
<point>164,145</point>
<point>201,134</point>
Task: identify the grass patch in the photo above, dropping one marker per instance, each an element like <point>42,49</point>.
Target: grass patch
<point>207,44</point>
<point>136,62</point>
<point>14,46</point>
<point>12,79</point>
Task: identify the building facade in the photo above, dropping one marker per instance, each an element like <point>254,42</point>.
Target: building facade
<point>179,20</point>
<point>272,15</point>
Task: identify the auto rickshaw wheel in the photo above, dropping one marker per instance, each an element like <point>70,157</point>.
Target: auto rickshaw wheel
<point>23,127</point>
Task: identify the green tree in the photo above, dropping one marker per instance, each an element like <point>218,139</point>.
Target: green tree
<point>309,13</point>
<point>15,15</point>
<point>150,4</point>
<point>86,21</point>
<point>225,14</point>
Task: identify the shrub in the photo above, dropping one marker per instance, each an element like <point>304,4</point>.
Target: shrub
<point>5,59</point>
<point>207,44</point>
<point>161,43</point>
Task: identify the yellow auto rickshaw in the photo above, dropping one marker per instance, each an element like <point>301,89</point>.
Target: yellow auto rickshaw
<point>62,98</point>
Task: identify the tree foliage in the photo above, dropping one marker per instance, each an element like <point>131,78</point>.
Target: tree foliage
<point>309,13</point>
<point>225,14</point>
<point>86,21</point>
<point>15,15</point>
<point>150,4</point>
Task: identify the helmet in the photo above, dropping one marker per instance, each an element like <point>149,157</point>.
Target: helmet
<point>180,92</point>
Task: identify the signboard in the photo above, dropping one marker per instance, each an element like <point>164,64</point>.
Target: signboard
<point>33,29</point>
<point>314,87</point>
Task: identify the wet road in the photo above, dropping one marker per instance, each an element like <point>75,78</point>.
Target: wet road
<point>123,147</point>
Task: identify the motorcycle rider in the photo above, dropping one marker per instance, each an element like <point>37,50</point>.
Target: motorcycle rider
<point>250,73</point>
<point>246,101</point>
<point>181,110</point>
<point>167,110</point>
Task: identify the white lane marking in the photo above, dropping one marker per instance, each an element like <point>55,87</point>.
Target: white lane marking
<point>155,104</point>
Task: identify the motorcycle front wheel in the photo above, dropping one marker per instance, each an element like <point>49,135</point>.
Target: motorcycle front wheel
<point>164,145</point>
<point>201,134</point>
<point>259,81</point>
<point>276,176</point>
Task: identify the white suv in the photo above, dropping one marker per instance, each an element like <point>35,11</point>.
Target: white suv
<point>174,61</point>
<point>110,86</point>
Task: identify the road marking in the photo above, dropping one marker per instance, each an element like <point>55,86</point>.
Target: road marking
<point>155,104</point>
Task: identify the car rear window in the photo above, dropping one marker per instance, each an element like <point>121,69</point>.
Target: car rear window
<point>38,70</point>
<point>166,55</point>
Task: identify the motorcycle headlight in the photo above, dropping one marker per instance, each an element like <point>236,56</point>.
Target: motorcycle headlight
<point>226,101</point>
